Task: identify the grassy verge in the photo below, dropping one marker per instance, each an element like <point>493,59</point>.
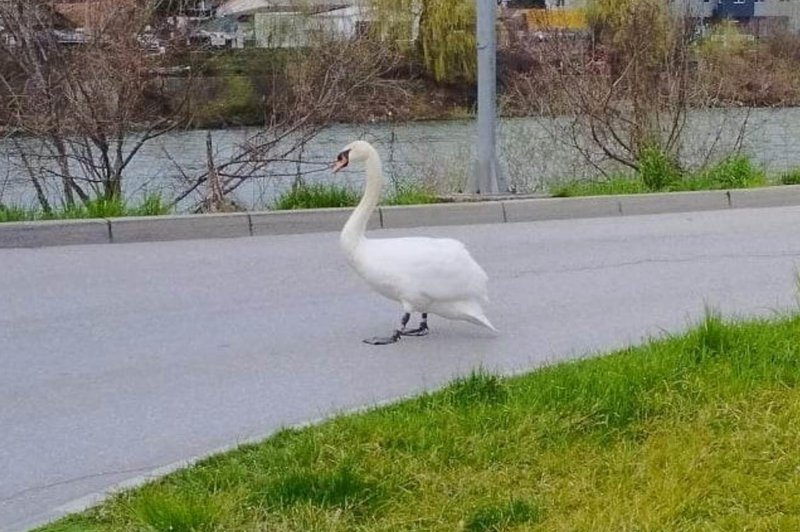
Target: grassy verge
<point>322,195</point>
<point>151,205</point>
<point>690,432</point>
<point>659,176</point>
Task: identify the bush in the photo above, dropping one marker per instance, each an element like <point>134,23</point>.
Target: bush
<point>657,170</point>
<point>736,171</point>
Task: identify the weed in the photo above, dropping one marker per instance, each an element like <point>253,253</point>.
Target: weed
<point>657,171</point>
<point>792,177</point>
<point>410,194</point>
<point>172,512</point>
<point>323,195</point>
<point>477,388</point>
<point>658,174</point>
<point>733,172</point>
<point>150,205</point>
<point>316,196</point>
<point>501,516</point>
<point>14,213</point>
<point>341,488</point>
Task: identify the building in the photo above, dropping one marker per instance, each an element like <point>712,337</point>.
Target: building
<point>759,17</point>
<point>290,23</point>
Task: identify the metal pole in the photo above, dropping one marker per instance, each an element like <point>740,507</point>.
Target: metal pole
<point>487,178</point>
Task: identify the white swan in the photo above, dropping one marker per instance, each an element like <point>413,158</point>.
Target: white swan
<point>426,275</point>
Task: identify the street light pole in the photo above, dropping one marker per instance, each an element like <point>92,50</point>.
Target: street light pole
<point>487,178</point>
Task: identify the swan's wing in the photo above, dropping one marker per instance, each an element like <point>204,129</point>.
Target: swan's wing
<point>438,269</point>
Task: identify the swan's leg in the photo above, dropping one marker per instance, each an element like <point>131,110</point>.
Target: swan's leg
<point>422,330</point>
<point>383,340</point>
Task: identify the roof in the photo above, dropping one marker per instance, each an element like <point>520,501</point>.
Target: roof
<point>241,7</point>
<point>90,13</point>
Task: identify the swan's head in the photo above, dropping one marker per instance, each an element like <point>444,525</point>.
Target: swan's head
<point>353,152</point>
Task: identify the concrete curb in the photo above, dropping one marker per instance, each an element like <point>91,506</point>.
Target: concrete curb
<point>186,227</point>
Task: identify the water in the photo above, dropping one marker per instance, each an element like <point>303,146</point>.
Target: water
<point>535,153</point>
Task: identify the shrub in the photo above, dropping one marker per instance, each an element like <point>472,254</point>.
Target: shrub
<point>657,170</point>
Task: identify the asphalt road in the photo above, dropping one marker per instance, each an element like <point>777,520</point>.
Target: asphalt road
<point>118,360</point>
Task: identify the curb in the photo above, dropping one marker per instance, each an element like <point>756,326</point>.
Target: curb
<point>200,226</point>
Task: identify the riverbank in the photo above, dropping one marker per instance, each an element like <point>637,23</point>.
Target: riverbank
<point>461,212</point>
<point>693,430</point>
<point>726,71</point>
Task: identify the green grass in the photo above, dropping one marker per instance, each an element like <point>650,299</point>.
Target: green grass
<point>151,205</point>
<point>688,432</point>
<point>658,175</point>
<point>316,196</point>
<point>792,177</point>
<point>410,194</point>
<point>325,195</point>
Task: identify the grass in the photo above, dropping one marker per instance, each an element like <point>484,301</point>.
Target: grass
<point>689,432</point>
<point>658,175</point>
<point>325,195</point>
<point>792,177</point>
<point>316,196</point>
<point>151,205</point>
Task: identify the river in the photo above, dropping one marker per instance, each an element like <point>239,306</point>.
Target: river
<point>535,154</point>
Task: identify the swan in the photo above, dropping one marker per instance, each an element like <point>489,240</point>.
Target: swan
<point>425,275</point>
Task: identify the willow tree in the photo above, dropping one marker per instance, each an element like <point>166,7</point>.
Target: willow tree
<point>446,42</point>
<point>394,22</point>
<point>441,32</point>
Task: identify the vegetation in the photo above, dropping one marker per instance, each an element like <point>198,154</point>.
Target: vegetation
<point>324,195</point>
<point>696,431</point>
<point>411,194</point>
<point>317,196</point>
<point>447,40</point>
<point>791,177</point>
<point>658,175</point>
<point>150,205</point>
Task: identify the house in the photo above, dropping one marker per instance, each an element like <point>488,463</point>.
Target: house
<point>294,23</point>
<point>229,31</point>
<point>91,15</point>
<point>81,21</point>
<point>759,17</point>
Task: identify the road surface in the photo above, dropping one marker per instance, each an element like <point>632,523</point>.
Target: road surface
<point>117,360</point>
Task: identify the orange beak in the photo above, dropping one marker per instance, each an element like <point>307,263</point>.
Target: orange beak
<point>339,164</point>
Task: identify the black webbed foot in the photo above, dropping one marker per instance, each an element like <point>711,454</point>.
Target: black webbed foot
<point>383,340</point>
<point>422,330</point>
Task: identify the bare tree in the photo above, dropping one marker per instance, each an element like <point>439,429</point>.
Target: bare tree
<point>93,107</point>
<point>94,104</point>
<point>627,92</point>
<point>335,78</point>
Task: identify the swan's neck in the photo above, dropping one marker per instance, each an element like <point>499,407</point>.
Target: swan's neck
<point>356,226</point>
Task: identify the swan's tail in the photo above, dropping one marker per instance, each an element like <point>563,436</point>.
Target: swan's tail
<point>473,313</point>
<point>482,320</point>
